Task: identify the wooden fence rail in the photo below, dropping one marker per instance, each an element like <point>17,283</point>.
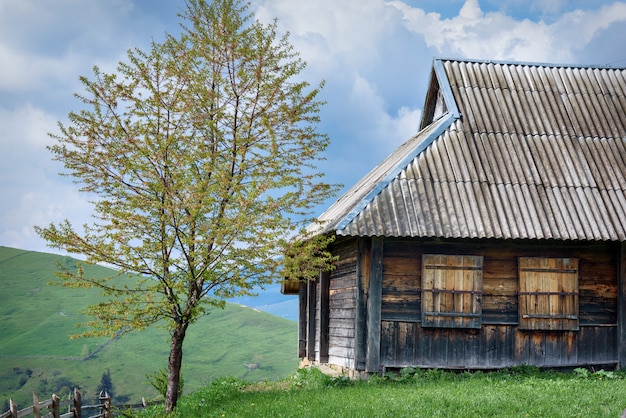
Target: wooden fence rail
<point>51,408</point>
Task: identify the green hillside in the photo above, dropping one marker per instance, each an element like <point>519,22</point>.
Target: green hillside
<point>36,353</point>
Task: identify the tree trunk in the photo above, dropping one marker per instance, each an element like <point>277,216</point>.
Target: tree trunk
<point>174,366</point>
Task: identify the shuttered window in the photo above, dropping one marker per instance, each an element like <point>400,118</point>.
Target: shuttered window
<point>452,291</point>
<point>548,295</point>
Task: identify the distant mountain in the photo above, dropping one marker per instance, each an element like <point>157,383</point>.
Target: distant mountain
<point>270,300</point>
<point>37,355</point>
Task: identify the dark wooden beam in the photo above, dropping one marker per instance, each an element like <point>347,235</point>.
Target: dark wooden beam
<point>621,307</point>
<point>324,315</point>
<point>302,319</point>
<point>311,305</point>
<point>363,266</point>
<point>374,300</point>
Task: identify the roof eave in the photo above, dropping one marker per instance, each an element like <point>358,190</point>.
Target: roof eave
<point>444,123</point>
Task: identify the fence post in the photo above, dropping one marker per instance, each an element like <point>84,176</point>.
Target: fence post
<point>101,403</point>
<point>36,406</point>
<point>77,403</point>
<point>107,405</point>
<point>13,408</point>
<point>56,407</point>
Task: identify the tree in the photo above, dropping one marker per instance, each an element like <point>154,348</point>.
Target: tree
<point>202,154</point>
<point>106,384</point>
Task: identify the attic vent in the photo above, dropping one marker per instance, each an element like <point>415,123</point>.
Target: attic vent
<point>440,106</point>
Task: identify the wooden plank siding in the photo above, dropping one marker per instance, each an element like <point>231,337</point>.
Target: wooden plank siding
<point>342,305</point>
<point>499,342</point>
<point>406,344</point>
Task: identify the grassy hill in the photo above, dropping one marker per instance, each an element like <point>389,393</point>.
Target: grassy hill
<point>36,353</point>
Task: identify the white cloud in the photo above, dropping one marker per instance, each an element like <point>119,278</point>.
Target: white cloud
<point>380,127</point>
<point>25,129</point>
<point>579,27</point>
<point>547,7</point>
<point>471,10</point>
<point>406,122</point>
<point>336,36</point>
<point>40,205</point>
<point>31,192</point>
<point>48,44</point>
<point>495,35</point>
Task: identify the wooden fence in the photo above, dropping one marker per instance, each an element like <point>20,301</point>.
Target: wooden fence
<point>51,408</point>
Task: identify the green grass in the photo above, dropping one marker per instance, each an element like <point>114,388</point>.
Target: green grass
<point>36,353</point>
<point>512,393</point>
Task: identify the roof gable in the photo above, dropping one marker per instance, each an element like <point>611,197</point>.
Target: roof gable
<point>522,151</point>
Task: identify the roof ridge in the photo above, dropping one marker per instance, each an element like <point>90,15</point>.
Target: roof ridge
<point>609,188</point>
<point>607,66</point>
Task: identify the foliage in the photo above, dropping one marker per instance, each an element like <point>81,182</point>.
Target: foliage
<point>420,393</point>
<point>313,378</point>
<point>524,369</point>
<point>158,380</point>
<point>57,383</point>
<point>299,264</point>
<point>201,157</point>
<point>599,374</point>
<point>106,387</point>
<point>106,384</point>
<point>309,378</point>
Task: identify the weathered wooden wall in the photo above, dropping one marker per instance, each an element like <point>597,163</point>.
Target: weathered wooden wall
<point>499,342</point>
<point>342,305</point>
<point>494,346</point>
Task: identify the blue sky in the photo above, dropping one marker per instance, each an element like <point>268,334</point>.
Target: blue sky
<point>374,55</point>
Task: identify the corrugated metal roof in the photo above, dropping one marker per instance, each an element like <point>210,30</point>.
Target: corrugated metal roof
<point>526,151</point>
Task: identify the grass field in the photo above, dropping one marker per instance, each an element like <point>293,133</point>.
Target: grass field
<point>36,353</point>
<point>521,392</point>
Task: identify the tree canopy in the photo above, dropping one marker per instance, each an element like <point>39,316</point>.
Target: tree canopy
<point>202,156</point>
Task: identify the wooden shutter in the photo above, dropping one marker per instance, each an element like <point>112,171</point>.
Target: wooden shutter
<point>452,291</point>
<point>548,296</point>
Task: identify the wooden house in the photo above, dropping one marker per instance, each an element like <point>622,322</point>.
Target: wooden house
<point>494,237</point>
